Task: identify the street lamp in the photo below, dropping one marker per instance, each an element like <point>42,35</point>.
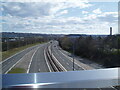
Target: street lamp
<point>73,53</point>
<point>73,58</point>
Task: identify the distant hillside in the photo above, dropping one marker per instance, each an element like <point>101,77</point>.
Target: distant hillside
<point>12,34</point>
<point>84,35</point>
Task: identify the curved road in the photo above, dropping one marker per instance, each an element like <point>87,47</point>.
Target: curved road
<point>38,62</point>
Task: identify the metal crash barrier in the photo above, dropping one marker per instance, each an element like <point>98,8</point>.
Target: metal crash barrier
<point>99,78</point>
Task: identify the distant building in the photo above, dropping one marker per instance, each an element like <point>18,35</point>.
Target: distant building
<point>110,30</point>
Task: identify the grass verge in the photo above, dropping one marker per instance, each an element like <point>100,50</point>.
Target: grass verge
<point>17,70</point>
<point>11,52</point>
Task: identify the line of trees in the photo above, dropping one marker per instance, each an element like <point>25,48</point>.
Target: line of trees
<point>10,43</point>
<point>104,50</point>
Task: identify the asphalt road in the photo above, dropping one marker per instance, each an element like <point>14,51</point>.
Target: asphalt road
<point>67,61</point>
<point>79,63</point>
<point>10,62</point>
<point>39,62</point>
<point>64,60</point>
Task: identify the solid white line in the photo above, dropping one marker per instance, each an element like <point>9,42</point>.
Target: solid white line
<point>71,60</point>
<point>113,88</point>
<point>80,66</point>
<point>59,56</point>
<point>39,70</point>
<point>75,69</point>
<point>67,63</point>
<point>15,64</point>
<point>16,54</point>
<point>11,56</point>
<point>99,88</point>
<point>53,63</point>
<point>32,59</point>
<point>57,60</point>
<point>47,61</point>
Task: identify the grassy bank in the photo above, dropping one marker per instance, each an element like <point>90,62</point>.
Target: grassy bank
<point>17,70</point>
<point>11,52</point>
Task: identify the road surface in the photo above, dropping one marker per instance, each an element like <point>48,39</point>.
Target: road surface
<point>38,61</point>
<point>47,57</point>
<point>13,60</point>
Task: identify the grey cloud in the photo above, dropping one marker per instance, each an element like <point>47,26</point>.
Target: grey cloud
<point>109,18</point>
<point>26,9</point>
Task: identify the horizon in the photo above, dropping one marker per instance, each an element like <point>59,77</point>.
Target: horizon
<point>56,34</point>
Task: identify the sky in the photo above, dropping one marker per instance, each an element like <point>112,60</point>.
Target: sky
<point>59,17</point>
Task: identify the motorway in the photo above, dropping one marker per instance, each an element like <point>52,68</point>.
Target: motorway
<point>38,60</point>
<point>10,62</point>
<point>47,57</point>
<point>38,63</point>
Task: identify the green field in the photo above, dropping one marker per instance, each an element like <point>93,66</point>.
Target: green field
<point>17,70</point>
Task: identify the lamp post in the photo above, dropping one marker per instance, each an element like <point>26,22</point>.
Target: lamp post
<point>73,54</point>
<point>73,58</point>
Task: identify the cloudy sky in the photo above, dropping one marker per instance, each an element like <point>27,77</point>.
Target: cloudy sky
<point>59,17</point>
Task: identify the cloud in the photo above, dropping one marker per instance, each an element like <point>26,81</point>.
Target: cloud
<point>111,17</point>
<point>85,12</point>
<point>39,9</point>
<point>97,11</point>
<point>63,12</point>
<point>57,25</point>
<point>114,14</point>
<point>27,9</point>
<point>56,17</point>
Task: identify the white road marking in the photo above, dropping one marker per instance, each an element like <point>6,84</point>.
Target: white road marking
<point>15,64</point>
<point>57,60</point>
<point>47,61</point>
<point>32,59</point>
<point>75,69</point>
<point>18,60</point>
<point>72,60</point>
<point>59,56</point>
<point>113,88</point>
<point>59,63</point>
<point>67,63</point>
<point>99,88</point>
<point>16,54</point>
<point>39,70</point>
<point>80,66</point>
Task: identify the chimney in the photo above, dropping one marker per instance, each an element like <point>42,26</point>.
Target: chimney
<point>110,30</point>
